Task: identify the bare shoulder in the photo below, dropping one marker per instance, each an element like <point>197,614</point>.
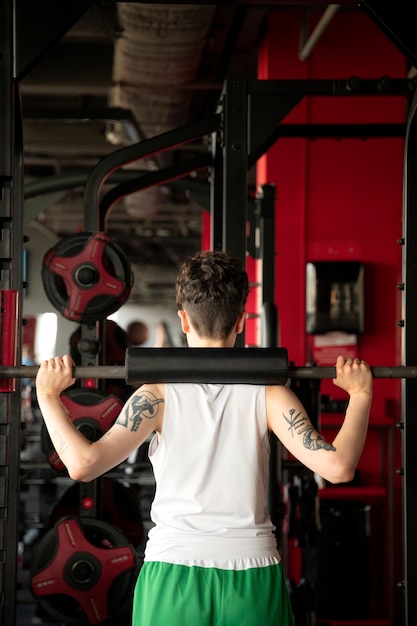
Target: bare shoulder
<point>280,399</point>
<point>278,393</point>
<point>145,408</point>
<point>154,389</point>
<point>152,396</point>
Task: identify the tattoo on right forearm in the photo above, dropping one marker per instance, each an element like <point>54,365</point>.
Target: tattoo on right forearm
<point>141,405</point>
<point>299,424</point>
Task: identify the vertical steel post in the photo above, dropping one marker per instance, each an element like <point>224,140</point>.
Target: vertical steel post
<point>11,197</point>
<point>235,165</point>
<point>409,355</point>
<point>269,313</point>
<point>216,192</point>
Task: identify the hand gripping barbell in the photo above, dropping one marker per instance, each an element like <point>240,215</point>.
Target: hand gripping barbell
<point>265,366</point>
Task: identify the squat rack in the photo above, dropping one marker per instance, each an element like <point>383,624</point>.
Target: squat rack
<point>238,141</point>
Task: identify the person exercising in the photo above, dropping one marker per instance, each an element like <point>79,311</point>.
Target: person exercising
<point>140,334</point>
<point>211,556</point>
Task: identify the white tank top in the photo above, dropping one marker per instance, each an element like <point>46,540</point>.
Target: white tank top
<point>211,466</point>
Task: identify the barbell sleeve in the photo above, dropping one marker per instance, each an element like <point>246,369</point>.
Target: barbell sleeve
<point>90,371</point>
<point>389,371</point>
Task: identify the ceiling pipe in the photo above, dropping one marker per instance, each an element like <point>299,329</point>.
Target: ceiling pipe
<point>309,45</point>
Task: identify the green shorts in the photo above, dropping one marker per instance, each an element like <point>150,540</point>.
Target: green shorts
<point>178,595</point>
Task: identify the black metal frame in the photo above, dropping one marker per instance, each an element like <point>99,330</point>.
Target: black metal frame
<point>93,215</point>
<point>11,265</point>
<point>238,140</point>
<point>409,356</point>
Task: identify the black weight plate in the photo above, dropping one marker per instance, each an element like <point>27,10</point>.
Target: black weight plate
<point>68,607</point>
<point>91,306</point>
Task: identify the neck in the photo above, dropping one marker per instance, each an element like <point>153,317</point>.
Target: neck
<point>198,342</point>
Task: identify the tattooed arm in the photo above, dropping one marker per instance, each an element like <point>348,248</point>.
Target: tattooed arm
<point>335,461</point>
<point>141,416</point>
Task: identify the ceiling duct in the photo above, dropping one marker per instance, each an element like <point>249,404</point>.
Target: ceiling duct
<point>156,59</point>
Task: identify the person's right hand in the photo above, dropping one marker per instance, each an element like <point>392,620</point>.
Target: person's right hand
<point>353,375</point>
<point>55,375</point>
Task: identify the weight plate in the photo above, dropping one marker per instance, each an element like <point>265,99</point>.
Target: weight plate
<point>92,411</point>
<point>83,571</point>
<point>86,276</point>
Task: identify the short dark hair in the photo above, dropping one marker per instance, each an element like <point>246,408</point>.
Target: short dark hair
<point>212,287</point>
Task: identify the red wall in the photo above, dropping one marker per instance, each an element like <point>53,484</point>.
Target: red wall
<point>341,200</point>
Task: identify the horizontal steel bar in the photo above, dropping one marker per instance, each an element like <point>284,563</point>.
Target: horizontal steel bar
<point>395,371</point>
<point>169,371</point>
<point>95,371</point>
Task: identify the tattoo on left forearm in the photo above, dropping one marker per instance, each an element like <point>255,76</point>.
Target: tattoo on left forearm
<point>141,405</point>
<point>299,424</point>
<point>62,445</point>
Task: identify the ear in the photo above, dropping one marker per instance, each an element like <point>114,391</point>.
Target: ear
<point>240,324</point>
<point>185,324</point>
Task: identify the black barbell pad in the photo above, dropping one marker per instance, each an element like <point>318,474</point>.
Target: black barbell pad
<point>263,366</point>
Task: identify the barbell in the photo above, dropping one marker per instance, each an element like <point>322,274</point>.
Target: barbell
<point>266,366</point>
